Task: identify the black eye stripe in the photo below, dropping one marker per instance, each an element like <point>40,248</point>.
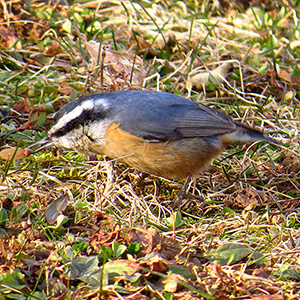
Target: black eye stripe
<point>86,117</point>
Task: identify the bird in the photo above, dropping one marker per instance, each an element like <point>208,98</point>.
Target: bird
<point>159,133</point>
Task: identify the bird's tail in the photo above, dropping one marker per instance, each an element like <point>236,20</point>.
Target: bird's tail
<point>245,134</point>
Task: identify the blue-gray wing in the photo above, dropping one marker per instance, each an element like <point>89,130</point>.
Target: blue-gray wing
<point>162,116</point>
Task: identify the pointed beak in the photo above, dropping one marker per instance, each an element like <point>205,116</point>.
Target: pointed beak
<point>44,143</point>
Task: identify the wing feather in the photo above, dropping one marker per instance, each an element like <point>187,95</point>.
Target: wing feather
<point>158,116</point>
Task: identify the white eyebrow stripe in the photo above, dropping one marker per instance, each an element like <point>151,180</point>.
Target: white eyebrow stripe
<point>103,102</point>
<point>73,114</point>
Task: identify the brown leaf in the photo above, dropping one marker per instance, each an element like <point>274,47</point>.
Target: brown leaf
<point>106,234</point>
<point>143,237</point>
<point>296,82</point>
<point>216,76</point>
<point>27,152</point>
<point>284,75</point>
<point>9,39</point>
<point>40,108</point>
<point>65,89</point>
<point>261,272</point>
<point>216,270</point>
<point>8,153</point>
<point>276,84</point>
<point>156,264</point>
<point>172,283</point>
<point>117,62</point>
<point>167,247</point>
<point>122,61</point>
<point>290,165</point>
<point>27,125</point>
<point>32,62</point>
<point>54,48</point>
<point>21,107</point>
<point>245,197</point>
<point>141,45</point>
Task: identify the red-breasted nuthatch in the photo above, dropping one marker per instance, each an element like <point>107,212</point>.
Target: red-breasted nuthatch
<point>155,132</point>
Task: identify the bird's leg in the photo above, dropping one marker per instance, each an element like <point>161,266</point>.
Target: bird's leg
<point>183,193</point>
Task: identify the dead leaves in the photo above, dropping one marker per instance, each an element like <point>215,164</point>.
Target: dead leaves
<point>166,274</point>
<point>14,153</point>
<point>22,107</point>
<point>172,283</point>
<point>154,263</point>
<point>283,84</point>
<point>137,261</point>
<point>66,89</point>
<point>143,238</point>
<point>19,25</point>
<point>245,197</point>
<point>122,65</point>
<point>55,210</point>
<point>8,39</point>
<point>107,234</point>
<point>36,117</point>
<point>203,79</point>
<point>113,246</point>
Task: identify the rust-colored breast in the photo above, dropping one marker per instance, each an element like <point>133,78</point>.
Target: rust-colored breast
<point>174,159</point>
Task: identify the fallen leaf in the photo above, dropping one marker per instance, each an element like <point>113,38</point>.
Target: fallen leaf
<point>9,39</point>
<point>56,208</point>
<point>27,125</point>
<point>172,283</point>
<point>21,107</point>
<point>40,108</point>
<point>261,272</point>
<point>65,89</point>
<point>245,197</point>
<point>122,266</point>
<point>155,263</point>
<point>54,48</point>
<point>27,152</point>
<point>215,76</point>
<point>143,237</point>
<point>138,43</point>
<point>129,66</point>
<point>17,154</point>
<point>228,254</point>
<point>286,76</point>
